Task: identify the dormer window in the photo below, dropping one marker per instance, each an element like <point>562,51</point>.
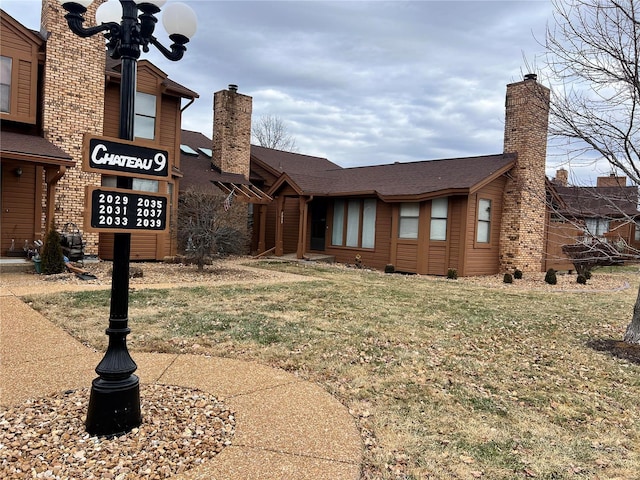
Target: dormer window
<point>5,84</point>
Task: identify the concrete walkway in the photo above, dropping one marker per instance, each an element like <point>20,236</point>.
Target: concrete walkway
<point>286,428</point>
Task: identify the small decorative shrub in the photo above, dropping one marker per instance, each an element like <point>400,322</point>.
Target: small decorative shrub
<point>51,257</point>
<point>582,279</point>
<point>551,277</point>
<point>359,261</point>
<point>517,274</point>
<point>389,268</point>
<point>452,274</point>
<point>508,278</point>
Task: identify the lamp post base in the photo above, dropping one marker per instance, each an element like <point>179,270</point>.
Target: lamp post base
<point>114,406</point>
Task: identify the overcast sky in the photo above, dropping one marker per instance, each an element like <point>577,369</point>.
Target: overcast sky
<point>363,82</point>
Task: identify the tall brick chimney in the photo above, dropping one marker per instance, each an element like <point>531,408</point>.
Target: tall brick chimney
<point>73,104</point>
<point>232,131</point>
<point>562,177</point>
<point>612,181</point>
<point>522,235</point>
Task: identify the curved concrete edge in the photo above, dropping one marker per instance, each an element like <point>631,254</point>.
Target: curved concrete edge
<point>285,427</point>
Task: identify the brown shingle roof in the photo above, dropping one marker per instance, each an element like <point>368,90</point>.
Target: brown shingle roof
<point>279,161</point>
<point>598,202</point>
<point>197,170</point>
<point>32,148</point>
<point>403,181</point>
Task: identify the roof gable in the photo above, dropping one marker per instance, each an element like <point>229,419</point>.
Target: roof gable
<point>26,35</point>
<point>113,71</point>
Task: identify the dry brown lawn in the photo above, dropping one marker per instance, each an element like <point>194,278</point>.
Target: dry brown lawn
<point>446,379</point>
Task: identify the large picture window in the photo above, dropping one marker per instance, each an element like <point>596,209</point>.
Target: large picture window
<point>439,212</point>
<point>145,121</point>
<point>5,84</point>
<point>597,226</point>
<point>483,234</point>
<point>409,220</point>
<point>354,223</point>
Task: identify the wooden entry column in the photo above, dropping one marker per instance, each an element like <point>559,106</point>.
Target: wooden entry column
<point>279,226</point>
<point>302,226</point>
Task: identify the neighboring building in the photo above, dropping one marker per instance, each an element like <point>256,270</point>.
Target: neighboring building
<point>56,88</point>
<point>31,165</point>
<point>605,213</point>
<point>479,215</point>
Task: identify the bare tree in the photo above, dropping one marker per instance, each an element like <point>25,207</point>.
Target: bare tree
<point>593,53</point>
<point>271,132</point>
<point>203,229</point>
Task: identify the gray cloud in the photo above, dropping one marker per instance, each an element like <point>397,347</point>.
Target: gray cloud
<point>362,82</point>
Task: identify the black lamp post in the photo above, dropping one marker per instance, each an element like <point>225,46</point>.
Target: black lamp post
<point>128,25</point>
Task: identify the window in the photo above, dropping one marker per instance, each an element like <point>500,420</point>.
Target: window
<point>5,84</point>
<point>354,223</point>
<point>484,221</point>
<point>637,232</point>
<point>409,219</point>
<point>439,208</point>
<point>145,121</point>
<point>597,226</point>
<point>140,184</point>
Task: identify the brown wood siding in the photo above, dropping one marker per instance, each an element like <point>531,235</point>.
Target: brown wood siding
<point>407,256</point>
<point>483,259</point>
<point>291,220</point>
<point>437,259</point>
<point>456,226</point>
<point>559,234</point>
<point>377,257</point>
<point>112,110</point>
<point>24,75</point>
<point>25,90</point>
<point>18,205</point>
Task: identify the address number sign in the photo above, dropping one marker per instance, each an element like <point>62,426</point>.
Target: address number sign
<point>119,210</point>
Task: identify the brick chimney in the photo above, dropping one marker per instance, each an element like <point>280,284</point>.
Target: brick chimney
<point>562,177</point>
<point>612,181</point>
<point>522,234</point>
<point>73,104</point>
<point>232,131</point>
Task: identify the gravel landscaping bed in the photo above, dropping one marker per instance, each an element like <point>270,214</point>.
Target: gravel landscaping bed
<point>46,438</point>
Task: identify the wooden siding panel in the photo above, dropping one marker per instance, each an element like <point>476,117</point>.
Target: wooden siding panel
<point>26,100</point>
<point>407,257</point>
<point>455,232</point>
<point>483,259</point>
<point>559,234</point>
<point>291,220</point>
<point>24,75</point>
<point>111,126</point>
<point>437,260</point>
<point>18,206</point>
<point>143,246</point>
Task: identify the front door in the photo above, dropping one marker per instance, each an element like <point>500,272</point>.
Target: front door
<point>318,224</point>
